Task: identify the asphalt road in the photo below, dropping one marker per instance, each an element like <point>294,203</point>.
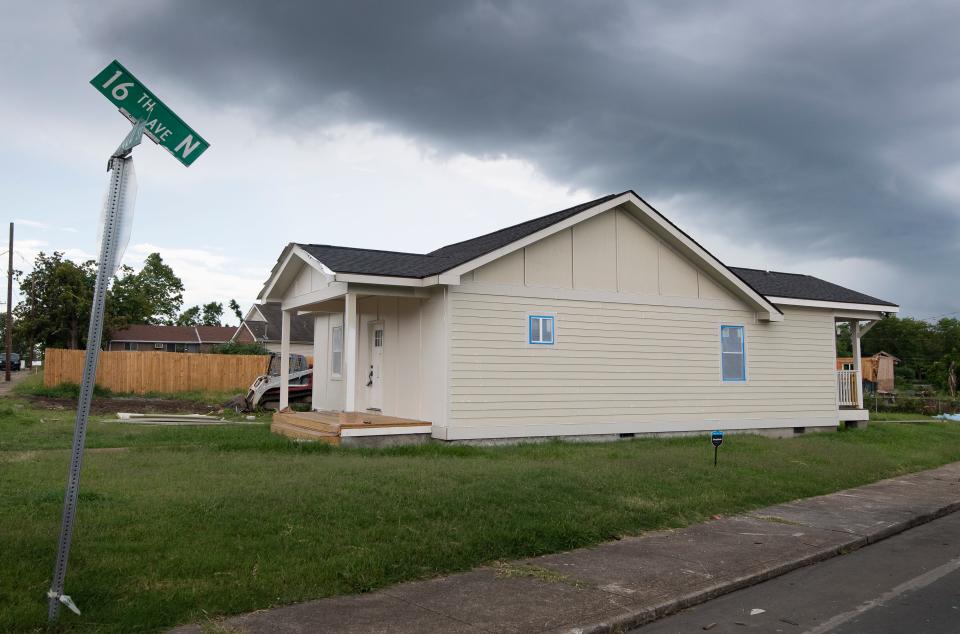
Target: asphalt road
<point>906,584</point>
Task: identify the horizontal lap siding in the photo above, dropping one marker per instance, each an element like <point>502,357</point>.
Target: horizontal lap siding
<point>623,363</point>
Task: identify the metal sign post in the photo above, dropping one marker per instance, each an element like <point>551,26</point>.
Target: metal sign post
<point>151,117</point>
<point>717,439</point>
<point>115,205</point>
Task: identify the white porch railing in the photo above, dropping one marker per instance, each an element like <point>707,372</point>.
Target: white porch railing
<point>848,388</point>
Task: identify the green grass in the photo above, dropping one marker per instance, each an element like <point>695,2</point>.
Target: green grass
<point>895,416</point>
<point>183,524</point>
<point>33,386</point>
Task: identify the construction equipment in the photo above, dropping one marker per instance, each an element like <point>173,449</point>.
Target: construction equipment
<point>265,390</point>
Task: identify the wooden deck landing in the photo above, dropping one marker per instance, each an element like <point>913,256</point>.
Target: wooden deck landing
<point>333,427</point>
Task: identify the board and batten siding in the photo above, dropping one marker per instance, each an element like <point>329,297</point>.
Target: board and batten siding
<point>623,368</point>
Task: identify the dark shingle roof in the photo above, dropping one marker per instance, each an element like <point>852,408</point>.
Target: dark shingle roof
<point>394,263</point>
<point>797,286</point>
<point>416,265</point>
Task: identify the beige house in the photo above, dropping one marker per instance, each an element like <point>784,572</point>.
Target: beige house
<point>601,320</point>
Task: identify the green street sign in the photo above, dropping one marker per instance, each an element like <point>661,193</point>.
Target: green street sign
<point>135,102</point>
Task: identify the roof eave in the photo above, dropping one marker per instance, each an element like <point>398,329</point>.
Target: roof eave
<point>817,303</point>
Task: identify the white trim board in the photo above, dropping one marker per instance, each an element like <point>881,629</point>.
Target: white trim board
<point>854,415</point>
<point>816,303</point>
<point>280,268</point>
<point>613,297</point>
<point>531,430</point>
<point>348,432</point>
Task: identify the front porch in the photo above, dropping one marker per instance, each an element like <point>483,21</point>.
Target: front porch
<point>374,346</point>
<point>350,428</point>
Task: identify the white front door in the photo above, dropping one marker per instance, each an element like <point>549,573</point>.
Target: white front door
<point>375,372</point>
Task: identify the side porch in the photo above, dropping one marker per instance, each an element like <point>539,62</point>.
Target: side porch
<point>850,407</point>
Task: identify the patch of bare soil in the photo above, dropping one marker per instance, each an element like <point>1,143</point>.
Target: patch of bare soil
<point>134,405</point>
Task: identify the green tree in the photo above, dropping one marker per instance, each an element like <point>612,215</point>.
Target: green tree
<point>55,305</point>
<point>235,307</point>
<point>189,317</point>
<point>212,314</point>
<point>128,302</point>
<point>161,289</point>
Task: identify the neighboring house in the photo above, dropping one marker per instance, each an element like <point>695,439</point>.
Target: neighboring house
<point>262,325</point>
<point>144,338</point>
<point>878,375</point>
<point>602,320</point>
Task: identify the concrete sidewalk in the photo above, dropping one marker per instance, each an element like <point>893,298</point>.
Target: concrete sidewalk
<point>619,585</point>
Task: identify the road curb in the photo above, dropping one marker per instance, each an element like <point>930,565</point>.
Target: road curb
<point>642,616</point>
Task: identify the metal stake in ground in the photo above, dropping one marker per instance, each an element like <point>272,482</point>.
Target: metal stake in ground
<point>120,166</point>
<point>717,439</point>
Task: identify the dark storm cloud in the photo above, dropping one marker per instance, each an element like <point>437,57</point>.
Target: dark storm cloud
<point>816,127</point>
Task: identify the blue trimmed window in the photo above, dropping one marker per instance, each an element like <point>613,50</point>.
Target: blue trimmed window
<point>541,329</point>
<point>733,358</point>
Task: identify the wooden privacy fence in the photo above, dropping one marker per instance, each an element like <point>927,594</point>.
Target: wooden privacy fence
<point>142,372</point>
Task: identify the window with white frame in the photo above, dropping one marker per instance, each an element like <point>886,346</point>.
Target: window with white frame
<point>336,351</point>
<point>541,329</point>
<point>733,358</point>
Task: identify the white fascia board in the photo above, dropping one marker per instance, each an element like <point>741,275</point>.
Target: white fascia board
<point>390,280</point>
<point>291,251</point>
<point>252,336</point>
<point>314,262</point>
<point>276,272</point>
<point>384,280</point>
<point>336,289</point>
<point>254,309</point>
<point>816,303</point>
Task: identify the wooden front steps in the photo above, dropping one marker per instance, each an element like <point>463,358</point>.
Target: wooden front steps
<point>331,427</point>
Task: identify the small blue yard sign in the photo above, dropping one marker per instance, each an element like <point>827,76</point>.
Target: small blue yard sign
<point>717,439</point>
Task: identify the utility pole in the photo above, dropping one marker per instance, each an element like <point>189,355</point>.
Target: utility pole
<point>9,305</point>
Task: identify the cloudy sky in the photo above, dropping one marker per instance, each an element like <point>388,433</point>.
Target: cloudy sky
<point>813,137</point>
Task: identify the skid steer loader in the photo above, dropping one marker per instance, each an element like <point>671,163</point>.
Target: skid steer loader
<point>265,390</point>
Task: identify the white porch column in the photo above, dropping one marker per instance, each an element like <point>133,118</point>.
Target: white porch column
<point>285,361</point>
<point>855,350</point>
<point>320,356</point>
<point>350,348</point>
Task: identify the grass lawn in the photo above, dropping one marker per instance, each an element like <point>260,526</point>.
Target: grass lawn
<point>895,416</point>
<point>182,524</point>
<point>33,386</point>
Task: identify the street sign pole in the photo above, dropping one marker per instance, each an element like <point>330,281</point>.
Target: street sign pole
<point>151,117</point>
<point>120,166</point>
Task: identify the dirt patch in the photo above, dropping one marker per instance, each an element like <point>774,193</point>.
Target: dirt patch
<point>134,405</point>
